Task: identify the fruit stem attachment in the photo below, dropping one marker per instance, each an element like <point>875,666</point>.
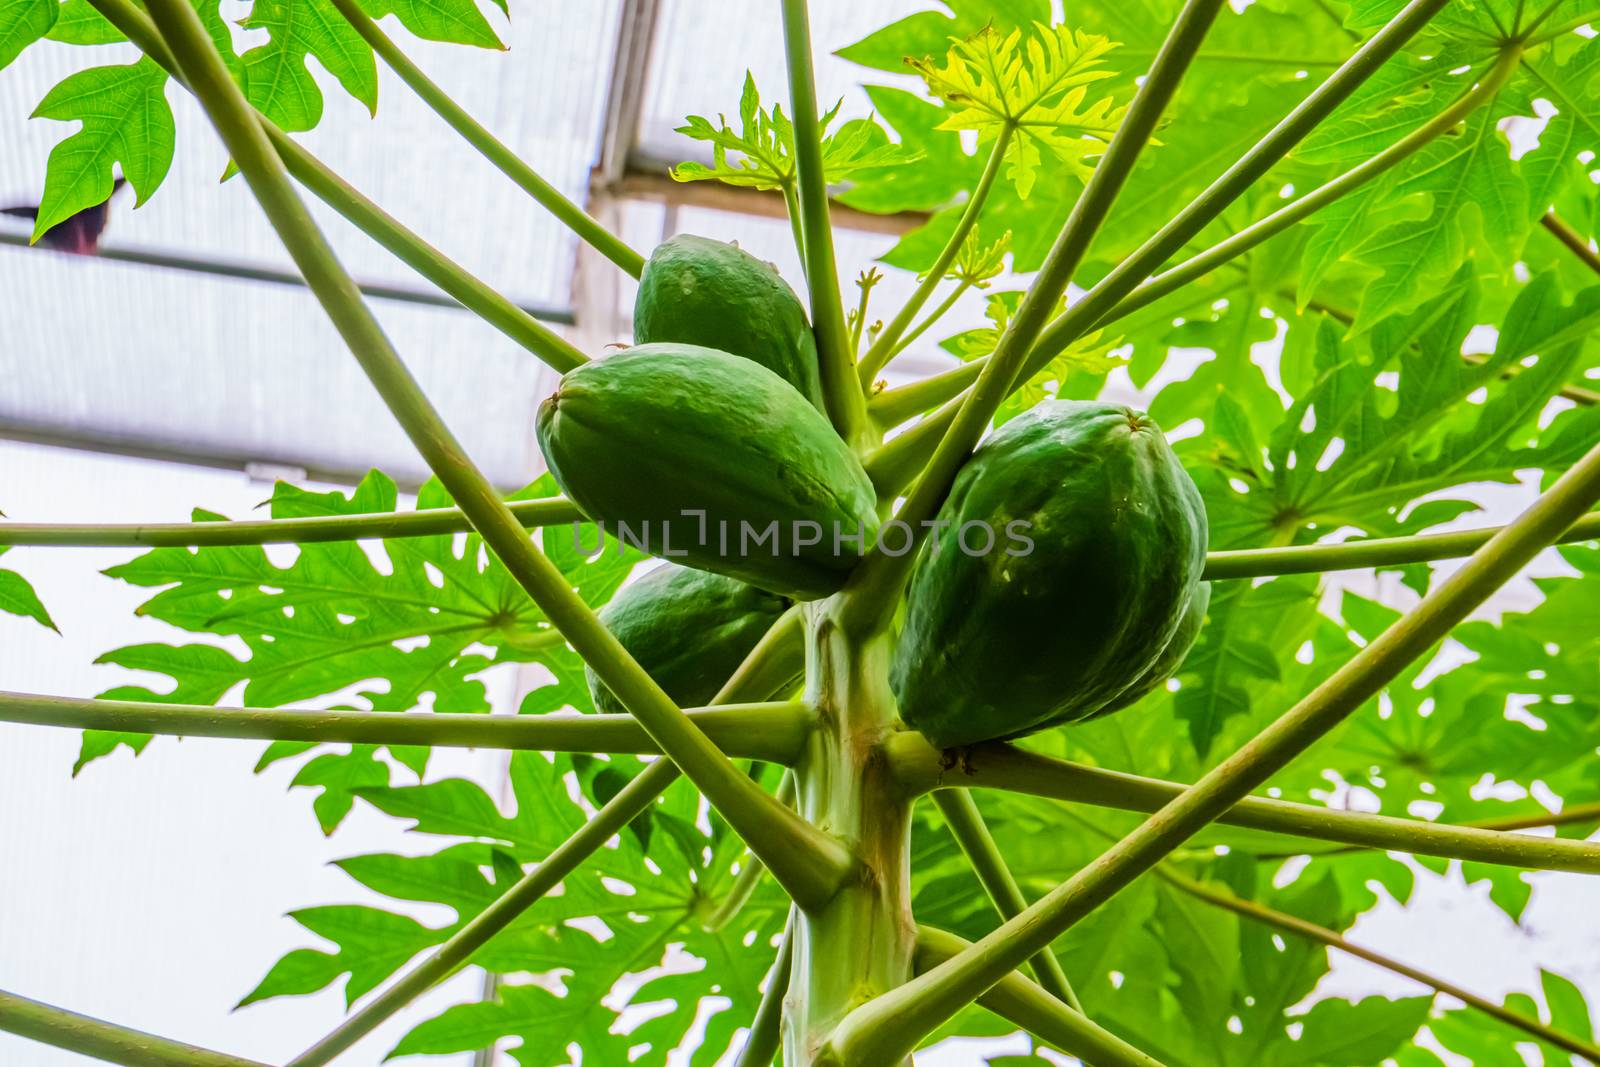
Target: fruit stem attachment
<point>972,834</point>
<point>774,733</point>
<point>1020,1001</point>
<point>880,577</point>
<point>470,291</point>
<point>846,406</point>
<point>886,343</point>
<point>88,1036</point>
<point>884,1028</point>
<point>489,146</point>
<point>809,864</point>
<point>1292,924</point>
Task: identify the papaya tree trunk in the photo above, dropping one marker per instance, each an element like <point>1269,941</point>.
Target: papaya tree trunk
<point>863,941</point>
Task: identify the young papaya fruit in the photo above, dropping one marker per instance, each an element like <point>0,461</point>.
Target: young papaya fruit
<point>1095,538</point>
<point>688,629</point>
<point>697,291</point>
<point>713,461</point>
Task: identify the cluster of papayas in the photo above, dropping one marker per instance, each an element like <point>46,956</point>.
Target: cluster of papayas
<point>706,443</point>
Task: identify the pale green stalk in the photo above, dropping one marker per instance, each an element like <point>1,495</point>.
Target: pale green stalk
<point>774,733</point>
<point>1291,924</point>
<point>791,203</point>
<point>846,407</point>
<point>878,580</point>
<point>972,834</point>
<point>1251,167</point>
<point>101,1040</point>
<point>962,285</point>
<point>1019,1001</point>
<point>471,292</point>
<point>921,768</point>
<point>1254,234</point>
<point>808,863</point>
<point>774,656</point>
<point>427,522</point>
<point>896,463</point>
<point>1377,552</point>
<point>882,1029</point>
<point>489,146</point>
<point>894,406</point>
<point>887,342</point>
<point>750,874</point>
<point>766,1029</point>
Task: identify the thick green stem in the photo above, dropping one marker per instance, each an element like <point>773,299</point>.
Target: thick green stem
<point>777,655</point>
<point>1019,1001</point>
<point>888,341</point>
<point>1000,766</point>
<point>846,406</point>
<point>893,465</point>
<point>885,1028</point>
<point>809,864</point>
<point>1291,924</point>
<point>101,1040</point>
<point>425,523</point>
<point>472,293</point>
<point>489,146</point>
<point>878,580</point>
<point>966,824</point>
<point>1257,232</point>
<point>774,733</point>
<point>766,1029</point>
<point>861,944</point>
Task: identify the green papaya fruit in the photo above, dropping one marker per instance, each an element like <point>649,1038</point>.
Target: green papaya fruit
<point>1097,539</point>
<point>688,629</point>
<point>714,461</point>
<point>1171,658</point>
<point>697,291</point>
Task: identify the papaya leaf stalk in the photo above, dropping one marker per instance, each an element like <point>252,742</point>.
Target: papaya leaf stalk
<point>1198,266</point>
<point>887,342</point>
<point>489,146</point>
<point>772,732</point>
<point>1292,924</point>
<point>775,655</point>
<point>846,407</point>
<point>87,1036</point>
<point>1020,1001</point>
<point>972,834</point>
<point>896,463</point>
<point>1005,767</point>
<point>884,1028</point>
<point>880,577</point>
<point>471,292</point>
<point>807,862</point>
<point>766,1029</point>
